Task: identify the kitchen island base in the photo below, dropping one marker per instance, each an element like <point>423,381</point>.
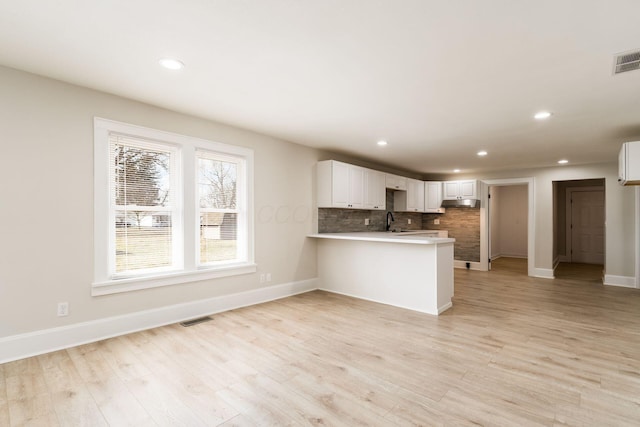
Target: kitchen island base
<point>414,276</point>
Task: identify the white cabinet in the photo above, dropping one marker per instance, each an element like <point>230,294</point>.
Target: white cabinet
<point>340,185</point>
<point>456,190</point>
<point>375,194</point>
<point>395,182</point>
<point>411,200</point>
<point>433,197</point>
<point>629,164</point>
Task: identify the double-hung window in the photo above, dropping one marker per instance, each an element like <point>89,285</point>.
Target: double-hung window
<point>168,208</point>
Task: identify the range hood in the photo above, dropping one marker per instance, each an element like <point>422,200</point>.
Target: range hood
<point>468,203</point>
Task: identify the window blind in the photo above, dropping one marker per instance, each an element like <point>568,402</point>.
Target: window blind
<point>142,205</point>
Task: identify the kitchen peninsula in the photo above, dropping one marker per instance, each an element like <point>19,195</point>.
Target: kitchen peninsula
<point>412,270</point>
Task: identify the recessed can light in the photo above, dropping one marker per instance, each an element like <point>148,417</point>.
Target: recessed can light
<point>171,64</point>
<point>482,153</point>
<point>456,170</point>
<point>541,115</point>
<point>382,143</point>
<point>563,161</point>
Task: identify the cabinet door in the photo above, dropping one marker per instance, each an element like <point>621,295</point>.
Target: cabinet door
<point>433,196</point>
<point>468,189</point>
<point>395,182</point>
<point>374,192</point>
<point>356,187</point>
<point>340,185</point>
<point>415,195</point>
<point>451,190</point>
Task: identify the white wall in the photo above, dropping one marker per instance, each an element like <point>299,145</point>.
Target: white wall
<point>509,204</point>
<point>46,204</point>
<point>619,211</point>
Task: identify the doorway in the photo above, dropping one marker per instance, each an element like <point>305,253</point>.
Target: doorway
<point>580,229</point>
<point>508,233</point>
<point>485,223</point>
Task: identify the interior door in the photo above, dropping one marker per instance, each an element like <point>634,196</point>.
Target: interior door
<point>587,227</point>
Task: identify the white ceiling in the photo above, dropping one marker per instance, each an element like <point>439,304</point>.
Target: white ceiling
<point>439,80</point>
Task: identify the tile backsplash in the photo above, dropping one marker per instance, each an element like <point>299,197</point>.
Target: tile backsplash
<point>462,223</point>
<point>333,220</point>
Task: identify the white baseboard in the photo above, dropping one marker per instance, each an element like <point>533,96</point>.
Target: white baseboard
<point>34,343</point>
<point>623,281</point>
<point>445,307</point>
<point>463,265</point>
<point>543,273</point>
<point>346,294</point>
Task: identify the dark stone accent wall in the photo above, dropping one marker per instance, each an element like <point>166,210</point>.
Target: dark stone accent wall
<point>463,225</point>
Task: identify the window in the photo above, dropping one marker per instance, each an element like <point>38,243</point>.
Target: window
<point>168,208</point>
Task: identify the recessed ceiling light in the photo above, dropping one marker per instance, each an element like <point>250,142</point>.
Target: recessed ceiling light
<point>482,153</point>
<point>456,170</point>
<point>382,143</point>
<point>542,115</point>
<point>563,161</point>
<point>171,64</point>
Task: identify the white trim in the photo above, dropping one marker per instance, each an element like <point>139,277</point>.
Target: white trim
<point>175,278</point>
<point>43,341</point>
<point>637,278</point>
<point>186,219</point>
<point>501,255</point>
<point>346,294</point>
<point>473,265</point>
<point>445,307</point>
<point>622,281</point>
<point>531,223</point>
<point>543,273</point>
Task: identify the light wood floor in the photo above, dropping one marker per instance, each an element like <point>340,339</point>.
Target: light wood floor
<point>513,351</point>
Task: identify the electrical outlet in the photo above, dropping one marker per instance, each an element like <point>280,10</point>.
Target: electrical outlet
<point>268,277</point>
<point>63,309</point>
<point>366,221</point>
<point>436,221</point>
<point>409,221</point>
<point>262,278</point>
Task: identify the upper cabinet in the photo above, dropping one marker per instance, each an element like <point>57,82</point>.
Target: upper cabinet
<point>395,182</point>
<point>433,197</point>
<point>629,164</point>
<point>456,190</point>
<point>375,194</point>
<point>411,200</point>
<point>340,185</point>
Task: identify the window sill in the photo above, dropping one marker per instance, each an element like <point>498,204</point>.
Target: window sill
<point>167,279</point>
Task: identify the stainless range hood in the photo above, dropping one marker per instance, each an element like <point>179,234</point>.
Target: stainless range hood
<point>467,203</point>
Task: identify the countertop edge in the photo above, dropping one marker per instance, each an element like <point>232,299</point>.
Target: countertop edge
<point>406,239</point>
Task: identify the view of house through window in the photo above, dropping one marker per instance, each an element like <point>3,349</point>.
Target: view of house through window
<point>217,192</point>
<point>142,198</point>
<point>169,208</point>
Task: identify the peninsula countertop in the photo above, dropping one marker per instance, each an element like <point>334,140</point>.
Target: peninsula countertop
<point>410,237</point>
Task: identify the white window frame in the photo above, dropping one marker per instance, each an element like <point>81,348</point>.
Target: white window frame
<point>241,190</point>
<point>188,223</point>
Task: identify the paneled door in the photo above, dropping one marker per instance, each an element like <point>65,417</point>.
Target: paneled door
<point>587,227</point>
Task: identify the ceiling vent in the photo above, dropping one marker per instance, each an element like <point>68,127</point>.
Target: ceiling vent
<point>627,61</point>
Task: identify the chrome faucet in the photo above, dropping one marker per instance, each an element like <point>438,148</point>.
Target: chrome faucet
<point>389,214</point>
